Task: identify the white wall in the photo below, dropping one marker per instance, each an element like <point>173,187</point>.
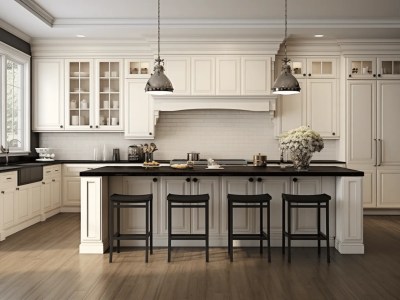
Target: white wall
<point>213,133</point>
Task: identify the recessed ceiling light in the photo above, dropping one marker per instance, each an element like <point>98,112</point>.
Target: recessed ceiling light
<point>80,36</point>
<point>318,35</point>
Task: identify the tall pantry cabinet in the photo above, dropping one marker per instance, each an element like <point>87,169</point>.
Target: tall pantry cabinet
<point>373,107</point>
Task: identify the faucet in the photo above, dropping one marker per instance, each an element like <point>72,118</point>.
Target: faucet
<point>6,150</point>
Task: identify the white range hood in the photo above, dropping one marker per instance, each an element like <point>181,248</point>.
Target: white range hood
<point>241,102</point>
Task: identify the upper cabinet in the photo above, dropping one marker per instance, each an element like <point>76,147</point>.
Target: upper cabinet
<point>48,94</point>
<point>221,75</point>
<point>369,67</point>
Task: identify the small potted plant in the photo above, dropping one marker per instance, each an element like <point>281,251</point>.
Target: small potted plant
<point>301,143</point>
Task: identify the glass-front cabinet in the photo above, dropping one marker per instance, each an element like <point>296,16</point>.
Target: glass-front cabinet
<point>93,95</point>
<point>373,67</point>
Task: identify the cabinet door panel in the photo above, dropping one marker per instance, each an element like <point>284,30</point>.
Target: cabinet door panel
<point>389,123</point>
<point>362,119</point>
<point>322,110</point>
<point>181,216</point>
<point>48,95</point>
<point>206,185</point>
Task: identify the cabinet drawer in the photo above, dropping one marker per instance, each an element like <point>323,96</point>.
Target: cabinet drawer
<point>8,180</point>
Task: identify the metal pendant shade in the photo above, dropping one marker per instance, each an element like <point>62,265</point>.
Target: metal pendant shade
<point>286,83</point>
<point>159,84</point>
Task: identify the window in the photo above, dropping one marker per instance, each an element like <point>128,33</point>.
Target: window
<point>14,92</point>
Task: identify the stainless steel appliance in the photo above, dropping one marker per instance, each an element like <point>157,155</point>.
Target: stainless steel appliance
<point>135,153</point>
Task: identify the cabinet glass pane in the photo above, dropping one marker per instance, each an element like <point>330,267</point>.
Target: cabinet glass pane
<point>361,67</point>
<point>79,94</point>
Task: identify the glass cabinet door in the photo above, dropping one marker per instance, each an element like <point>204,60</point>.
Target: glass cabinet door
<point>78,100</point>
<point>108,95</point>
<point>389,68</point>
<point>363,67</point>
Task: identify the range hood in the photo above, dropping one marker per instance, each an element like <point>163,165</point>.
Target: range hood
<point>238,102</point>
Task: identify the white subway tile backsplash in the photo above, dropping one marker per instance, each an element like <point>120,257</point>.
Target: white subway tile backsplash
<point>213,133</point>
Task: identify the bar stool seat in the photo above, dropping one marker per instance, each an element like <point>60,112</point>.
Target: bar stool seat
<point>249,201</point>
<point>317,201</point>
<point>188,201</point>
<point>118,201</point>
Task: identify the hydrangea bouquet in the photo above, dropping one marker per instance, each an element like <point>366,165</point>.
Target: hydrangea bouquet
<point>301,143</point>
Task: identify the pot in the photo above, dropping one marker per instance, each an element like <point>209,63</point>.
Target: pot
<point>193,156</point>
<point>259,160</point>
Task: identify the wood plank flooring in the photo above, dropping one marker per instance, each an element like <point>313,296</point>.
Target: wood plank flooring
<point>42,262</point>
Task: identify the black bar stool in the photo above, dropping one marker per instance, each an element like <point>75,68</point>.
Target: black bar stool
<point>249,201</point>
<point>130,201</point>
<point>305,201</point>
<point>187,201</point>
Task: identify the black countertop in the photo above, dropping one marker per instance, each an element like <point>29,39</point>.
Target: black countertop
<point>226,171</point>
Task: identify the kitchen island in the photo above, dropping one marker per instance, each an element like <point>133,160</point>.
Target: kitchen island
<point>344,185</point>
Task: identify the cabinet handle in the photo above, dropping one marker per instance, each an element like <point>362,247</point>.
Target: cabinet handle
<point>195,180</point>
<point>251,179</point>
<point>61,126</point>
<point>295,179</point>
<point>17,189</point>
<point>259,179</point>
<point>188,179</point>
<point>155,179</point>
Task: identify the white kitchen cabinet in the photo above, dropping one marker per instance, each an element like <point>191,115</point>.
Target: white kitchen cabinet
<point>51,191</point>
<point>256,75</point>
<point>48,94</point>
<point>8,184</point>
<point>177,69</point>
<point>228,75</point>
<point>186,221</point>
<point>373,141</point>
<point>139,119</point>
<point>94,95</point>
<point>203,75</point>
<point>133,220</point>
<point>370,67</point>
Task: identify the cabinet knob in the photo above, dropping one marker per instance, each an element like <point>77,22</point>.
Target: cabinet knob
<point>188,179</point>
<point>61,126</point>
<point>195,180</point>
<point>251,179</point>
<point>155,179</point>
<point>259,179</point>
<point>333,133</point>
<point>295,179</point>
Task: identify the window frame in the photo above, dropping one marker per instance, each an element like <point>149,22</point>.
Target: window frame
<point>10,53</point>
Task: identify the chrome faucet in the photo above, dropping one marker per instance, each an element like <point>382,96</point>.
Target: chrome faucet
<point>6,150</point>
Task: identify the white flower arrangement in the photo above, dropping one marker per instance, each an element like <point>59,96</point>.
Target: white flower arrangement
<point>301,142</point>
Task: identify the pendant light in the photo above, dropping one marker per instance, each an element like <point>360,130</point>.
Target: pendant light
<point>159,84</point>
<point>286,83</point>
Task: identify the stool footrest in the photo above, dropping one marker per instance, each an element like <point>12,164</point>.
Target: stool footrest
<point>176,236</point>
<point>250,236</point>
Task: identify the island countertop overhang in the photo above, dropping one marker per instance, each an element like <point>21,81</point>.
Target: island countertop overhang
<point>226,171</point>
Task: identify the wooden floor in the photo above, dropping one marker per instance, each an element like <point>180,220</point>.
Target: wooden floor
<point>42,262</point>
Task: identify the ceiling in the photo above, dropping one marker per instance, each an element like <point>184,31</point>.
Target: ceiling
<point>229,19</point>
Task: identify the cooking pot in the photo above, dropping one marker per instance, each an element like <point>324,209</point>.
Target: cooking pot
<point>259,160</point>
<point>193,156</point>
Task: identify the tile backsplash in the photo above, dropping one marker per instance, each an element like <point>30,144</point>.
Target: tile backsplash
<point>213,133</point>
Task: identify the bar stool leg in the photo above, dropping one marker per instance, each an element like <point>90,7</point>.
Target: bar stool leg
<point>207,230</point>
<point>289,231</point>
<point>269,231</point>
<point>151,226</point>
<point>118,226</point>
<point>283,226</point>
<point>319,227</point>
<point>147,232</point>
<point>327,233</point>
<point>110,228</point>
<point>261,228</point>
<point>169,230</point>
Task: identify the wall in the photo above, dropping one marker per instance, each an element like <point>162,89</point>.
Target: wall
<point>213,133</point>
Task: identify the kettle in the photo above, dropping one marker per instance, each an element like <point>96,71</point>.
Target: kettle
<point>135,153</point>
